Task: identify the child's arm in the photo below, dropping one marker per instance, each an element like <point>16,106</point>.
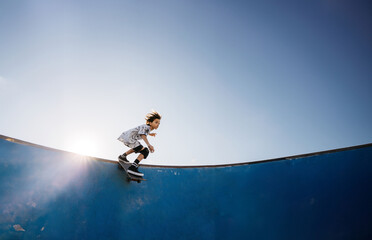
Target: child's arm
<point>152,134</point>
<point>148,144</point>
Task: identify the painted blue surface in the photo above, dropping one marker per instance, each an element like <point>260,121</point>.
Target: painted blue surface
<point>56,195</point>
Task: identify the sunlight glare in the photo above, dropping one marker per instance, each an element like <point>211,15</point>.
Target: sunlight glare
<point>83,145</point>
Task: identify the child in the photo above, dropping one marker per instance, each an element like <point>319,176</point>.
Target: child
<point>130,139</point>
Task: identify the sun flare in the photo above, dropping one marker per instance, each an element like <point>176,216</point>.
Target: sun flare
<point>83,146</point>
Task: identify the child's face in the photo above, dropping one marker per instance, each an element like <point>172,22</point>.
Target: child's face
<point>155,124</point>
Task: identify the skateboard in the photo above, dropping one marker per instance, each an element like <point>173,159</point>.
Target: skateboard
<point>131,177</point>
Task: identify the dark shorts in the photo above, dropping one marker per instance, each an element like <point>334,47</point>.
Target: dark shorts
<point>138,149</point>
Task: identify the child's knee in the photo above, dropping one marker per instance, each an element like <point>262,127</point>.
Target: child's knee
<point>145,152</point>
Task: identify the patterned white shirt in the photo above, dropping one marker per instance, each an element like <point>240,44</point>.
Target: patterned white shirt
<point>134,134</point>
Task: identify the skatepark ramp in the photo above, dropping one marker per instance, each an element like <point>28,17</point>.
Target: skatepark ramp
<point>51,194</point>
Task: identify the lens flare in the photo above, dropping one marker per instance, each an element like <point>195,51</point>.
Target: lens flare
<point>83,145</point>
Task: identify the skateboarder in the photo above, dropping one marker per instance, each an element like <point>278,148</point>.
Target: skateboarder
<point>131,139</point>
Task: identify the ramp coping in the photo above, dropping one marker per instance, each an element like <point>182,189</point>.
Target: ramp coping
<point>10,139</point>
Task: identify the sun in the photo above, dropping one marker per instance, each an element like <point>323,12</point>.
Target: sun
<point>83,145</point>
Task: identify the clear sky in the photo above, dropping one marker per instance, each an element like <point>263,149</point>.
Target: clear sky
<point>235,81</point>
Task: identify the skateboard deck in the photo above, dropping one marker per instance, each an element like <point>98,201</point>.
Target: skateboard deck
<point>130,177</point>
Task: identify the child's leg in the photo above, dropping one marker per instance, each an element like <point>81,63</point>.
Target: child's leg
<point>140,157</point>
<point>138,160</point>
<point>144,152</point>
<point>129,152</point>
<point>123,157</point>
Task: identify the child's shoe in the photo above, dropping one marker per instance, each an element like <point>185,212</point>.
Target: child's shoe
<point>134,171</point>
<point>123,159</point>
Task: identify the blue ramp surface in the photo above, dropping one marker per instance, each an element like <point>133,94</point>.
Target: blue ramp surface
<point>51,194</point>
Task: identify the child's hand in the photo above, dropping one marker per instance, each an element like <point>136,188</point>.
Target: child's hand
<point>152,134</point>
<point>151,148</point>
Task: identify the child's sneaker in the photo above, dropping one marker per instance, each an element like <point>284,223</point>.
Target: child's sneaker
<point>134,171</point>
<point>123,159</point>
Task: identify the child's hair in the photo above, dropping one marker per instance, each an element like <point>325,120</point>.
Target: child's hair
<point>150,117</point>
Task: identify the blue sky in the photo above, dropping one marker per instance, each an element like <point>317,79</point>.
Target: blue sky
<point>235,81</point>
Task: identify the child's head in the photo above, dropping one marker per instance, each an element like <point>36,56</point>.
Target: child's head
<point>153,120</point>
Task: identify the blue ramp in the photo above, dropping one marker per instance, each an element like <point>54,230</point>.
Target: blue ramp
<point>51,194</point>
